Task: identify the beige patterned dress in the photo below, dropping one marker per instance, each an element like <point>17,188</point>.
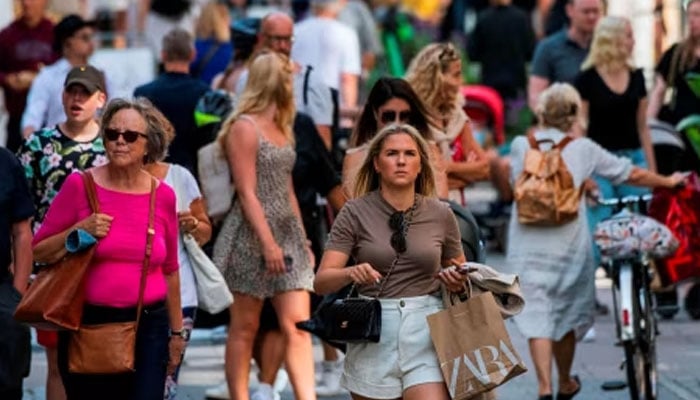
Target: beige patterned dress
<point>238,251</point>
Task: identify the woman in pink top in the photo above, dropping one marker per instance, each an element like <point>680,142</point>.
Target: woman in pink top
<point>134,133</point>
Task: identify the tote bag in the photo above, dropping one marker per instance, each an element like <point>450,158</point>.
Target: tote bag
<point>473,347</point>
<point>213,294</point>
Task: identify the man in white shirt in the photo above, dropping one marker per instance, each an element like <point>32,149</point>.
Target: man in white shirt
<point>311,95</point>
<point>74,40</point>
<point>331,48</point>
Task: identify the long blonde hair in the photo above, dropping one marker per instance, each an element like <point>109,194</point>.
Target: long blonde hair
<point>269,82</point>
<point>606,47</point>
<point>368,179</point>
<point>426,75</point>
<point>213,22</point>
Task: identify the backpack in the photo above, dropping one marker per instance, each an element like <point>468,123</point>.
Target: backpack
<point>212,167</point>
<point>545,192</point>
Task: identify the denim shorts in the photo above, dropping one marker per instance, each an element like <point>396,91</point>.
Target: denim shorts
<point>404,356</point>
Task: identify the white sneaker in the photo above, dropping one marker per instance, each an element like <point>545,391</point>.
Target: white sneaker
<point>589,336</point>
<point>281,381</point>
<point>330,382</point>
<point>219,392</point>
<point>264,392</point>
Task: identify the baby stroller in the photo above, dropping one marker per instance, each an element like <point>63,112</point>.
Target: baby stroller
<point>486,111</point>
<point>669,148</point>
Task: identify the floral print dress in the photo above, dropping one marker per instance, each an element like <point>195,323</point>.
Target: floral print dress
<point>48,157</point>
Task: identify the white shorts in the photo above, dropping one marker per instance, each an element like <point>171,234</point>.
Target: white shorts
<point>404,356</point>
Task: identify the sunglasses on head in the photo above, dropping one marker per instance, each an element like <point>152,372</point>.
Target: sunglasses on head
<point>129,136</point>
<point>397,223</point>
<point>391,116</point>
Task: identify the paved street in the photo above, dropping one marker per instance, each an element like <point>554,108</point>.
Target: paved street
<point>595,362</point>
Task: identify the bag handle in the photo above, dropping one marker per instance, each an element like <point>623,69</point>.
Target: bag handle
<point>150,233</point>
<point>535,144</point>
<point>89,183</point>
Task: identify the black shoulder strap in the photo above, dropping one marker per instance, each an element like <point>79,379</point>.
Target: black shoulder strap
<point>306,84</point>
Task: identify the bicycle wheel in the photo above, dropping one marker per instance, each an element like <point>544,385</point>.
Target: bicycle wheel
<point>647,337</point>
<point>640,353</point>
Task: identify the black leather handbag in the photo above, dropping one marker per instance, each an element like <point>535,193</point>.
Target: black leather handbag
<point>352,320</point>
<point>349,319</point>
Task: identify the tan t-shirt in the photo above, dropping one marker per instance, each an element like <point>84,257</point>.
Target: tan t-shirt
<point>362,231</point>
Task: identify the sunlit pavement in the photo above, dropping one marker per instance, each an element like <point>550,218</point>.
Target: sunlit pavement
<point>595,362</point>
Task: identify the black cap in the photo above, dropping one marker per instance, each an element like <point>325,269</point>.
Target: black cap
<point>67,28</point>
<point>87,76</point>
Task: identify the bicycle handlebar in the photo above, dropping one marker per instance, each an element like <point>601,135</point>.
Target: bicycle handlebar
<point>615,201</point>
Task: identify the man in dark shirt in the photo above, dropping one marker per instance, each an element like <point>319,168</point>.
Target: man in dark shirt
<point>558,58</point>
<point>16,211</point>
<point>25,47</point>
<point>175,93</point>
<point>503,41</point>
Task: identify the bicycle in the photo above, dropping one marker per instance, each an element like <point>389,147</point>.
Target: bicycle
<point>633,305</point>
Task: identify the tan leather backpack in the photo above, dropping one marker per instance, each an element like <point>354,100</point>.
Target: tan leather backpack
<point>545,193</point>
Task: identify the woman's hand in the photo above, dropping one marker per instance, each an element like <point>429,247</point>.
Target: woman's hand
<point>274,259</point>
<point>188,222</point>
<point>363,274</point>
<point>97,224</point>
<point>176,349</point>
<point>676,179</point>
<point>454,277</point>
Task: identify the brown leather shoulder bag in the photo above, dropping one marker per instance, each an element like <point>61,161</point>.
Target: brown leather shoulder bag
<point>54,300</point>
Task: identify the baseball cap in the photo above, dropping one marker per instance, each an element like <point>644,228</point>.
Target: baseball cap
<point>87,76</point>
<point>67,28</point>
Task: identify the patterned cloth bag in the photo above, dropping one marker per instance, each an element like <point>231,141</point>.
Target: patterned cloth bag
<point>627,235</point>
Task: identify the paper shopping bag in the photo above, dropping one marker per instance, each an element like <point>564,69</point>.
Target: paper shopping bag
<point>473,347</point>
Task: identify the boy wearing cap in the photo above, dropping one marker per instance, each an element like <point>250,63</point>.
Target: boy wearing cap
<point>49,155</point>
<point>74,40</point>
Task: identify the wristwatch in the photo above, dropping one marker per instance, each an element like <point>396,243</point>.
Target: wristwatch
<point>184,333</point>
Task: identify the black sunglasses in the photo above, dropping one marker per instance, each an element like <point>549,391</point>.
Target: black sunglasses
<point>398,223</point>
<point>388,117</point>
<point>129,136</point>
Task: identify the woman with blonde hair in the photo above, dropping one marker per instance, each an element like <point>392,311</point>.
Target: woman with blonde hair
<point>436,76</point>
<point>404,242</point>
<point>212,41</point>
<point>614,103</point>
<point>262,249</point>
<point>558,281</point>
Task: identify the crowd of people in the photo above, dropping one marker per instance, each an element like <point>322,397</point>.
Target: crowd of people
<point>341,178</point>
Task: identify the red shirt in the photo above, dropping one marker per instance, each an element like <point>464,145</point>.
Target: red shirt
<point>24,48</point>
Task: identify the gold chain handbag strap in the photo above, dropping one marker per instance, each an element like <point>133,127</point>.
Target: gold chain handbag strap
<point>396,258</point>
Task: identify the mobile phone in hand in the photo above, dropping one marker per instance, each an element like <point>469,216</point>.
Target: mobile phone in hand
<point>465,268</point>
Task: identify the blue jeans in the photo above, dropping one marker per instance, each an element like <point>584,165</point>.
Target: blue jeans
<point>607,190</point>
<point>147,382</point>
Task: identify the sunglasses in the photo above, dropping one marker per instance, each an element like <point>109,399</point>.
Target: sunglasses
<point>388,117</point>
<point>398,223</point>
<point>129,136</point>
